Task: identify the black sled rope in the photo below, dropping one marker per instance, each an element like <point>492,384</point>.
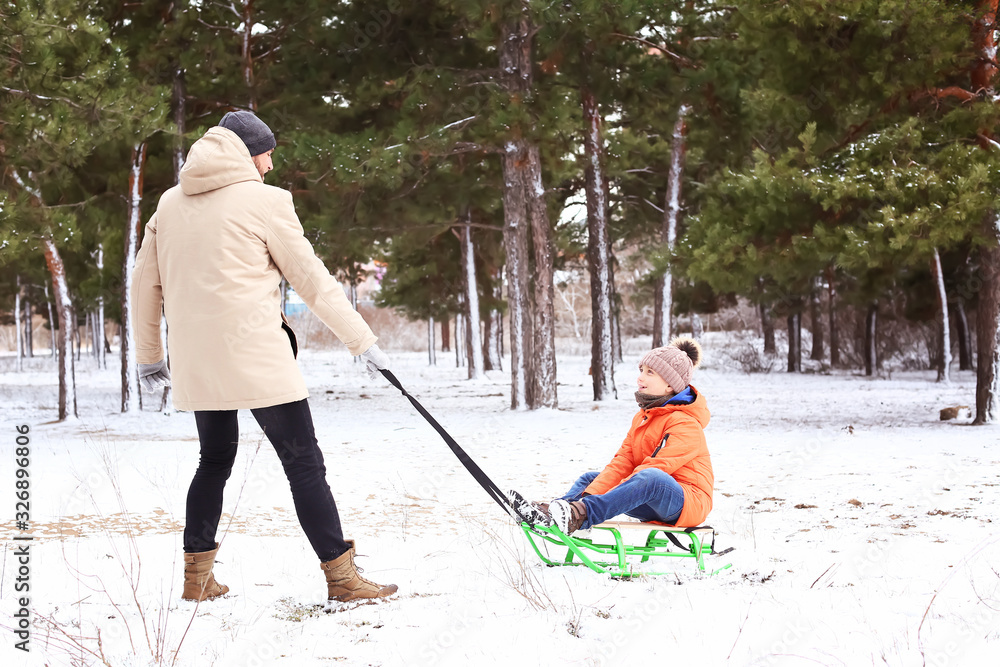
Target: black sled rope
<point>470,465</point>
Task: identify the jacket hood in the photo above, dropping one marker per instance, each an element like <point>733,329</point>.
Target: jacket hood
<point>698,408</point>
<point>218,159</point>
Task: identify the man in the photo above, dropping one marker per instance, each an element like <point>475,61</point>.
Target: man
<point>212,258</point>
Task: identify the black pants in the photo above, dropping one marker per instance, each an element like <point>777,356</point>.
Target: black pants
<point>289,427</point>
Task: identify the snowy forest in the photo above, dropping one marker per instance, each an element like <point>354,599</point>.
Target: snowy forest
<point>545,190</point>
<point>774,153</point>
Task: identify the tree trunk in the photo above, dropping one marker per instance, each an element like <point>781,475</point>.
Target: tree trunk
<point>795,342</point>
<point>352,296</point>
<point>18,328</point>
<point>102,361</point>
<point>64,310</point>
<point>247,53</point>
<point>988,330</point>
<point>165,396</point>
<point>99,339</point>
<point>616,328</point>
<point>89,331</point>
<point>53,346</point>
<point>515,67</point>
<point>29,329</point>
<point>492,343</point>
<point>516,251</point>
<point>984,71</point>
<point>79,335</point>
<point>431,352</point>
<point>179,104</point>
<point>473,346</point>
<point>964,336</point>
<point>500,336</point>
<point>602,366</point>
<point>834,329</point>
<point>459,333</point>
<point>871,339</point>
<point>92,335</point>
<point>489,332</point>
<point>944,341</point>
<point>544,393</point>
<point>130,377</point>
<point>767,328</point>
<point>180,114</point>
<point>663,317</point>
<point>816,321</point>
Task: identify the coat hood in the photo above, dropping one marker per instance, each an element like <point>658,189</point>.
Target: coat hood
<point>218,159</point>
<point>698,408</point>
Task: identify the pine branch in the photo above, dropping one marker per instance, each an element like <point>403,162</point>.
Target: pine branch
<point>652,204</point>
<point>467,147</point>
<point>44,98</point>
<point>30,189</point>
<point>686,62</point>
<point>935,93</point>
<point>949,91</point>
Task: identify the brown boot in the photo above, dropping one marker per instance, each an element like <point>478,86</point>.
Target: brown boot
<point>199,583</point>
<point>343,581</point>
<point>568,516</point>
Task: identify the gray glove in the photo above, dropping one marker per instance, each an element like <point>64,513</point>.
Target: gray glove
<point>375,360</point>
<point>154,376</point>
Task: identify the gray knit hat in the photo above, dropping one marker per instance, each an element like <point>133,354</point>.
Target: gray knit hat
<point>675,362</point>
<point>252,130</point>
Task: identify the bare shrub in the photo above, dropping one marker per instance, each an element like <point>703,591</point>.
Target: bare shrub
<point>746,353</point>
<point>395,331</point>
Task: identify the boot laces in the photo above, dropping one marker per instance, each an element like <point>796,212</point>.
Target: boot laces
<point>358,570</point>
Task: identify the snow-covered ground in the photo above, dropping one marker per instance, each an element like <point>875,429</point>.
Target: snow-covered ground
<point>863,528</point>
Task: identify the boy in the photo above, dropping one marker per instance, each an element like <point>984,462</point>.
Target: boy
<point>662,472</point>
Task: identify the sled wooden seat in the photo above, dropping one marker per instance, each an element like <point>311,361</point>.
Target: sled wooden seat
<point>593,551</point>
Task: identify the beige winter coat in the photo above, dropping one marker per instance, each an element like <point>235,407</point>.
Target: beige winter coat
<point>213,256</point>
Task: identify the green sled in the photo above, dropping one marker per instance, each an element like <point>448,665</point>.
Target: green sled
<point>611,556</point>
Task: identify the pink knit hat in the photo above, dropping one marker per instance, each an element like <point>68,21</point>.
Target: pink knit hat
<point>675,362</point>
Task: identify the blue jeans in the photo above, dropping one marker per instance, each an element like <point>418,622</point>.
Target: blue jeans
<point>649,495</point>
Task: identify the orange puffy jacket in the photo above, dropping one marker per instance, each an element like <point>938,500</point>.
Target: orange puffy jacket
<point>684,456</point>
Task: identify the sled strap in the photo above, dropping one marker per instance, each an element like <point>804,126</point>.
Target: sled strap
<point>470,465</point>
<point>674,540</point>
<point>677,543</point>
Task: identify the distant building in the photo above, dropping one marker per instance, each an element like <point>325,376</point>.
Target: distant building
<point>294,303</point>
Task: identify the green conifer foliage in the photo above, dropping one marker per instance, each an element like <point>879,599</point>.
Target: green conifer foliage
<point>855,163</point>
<point>67,89</point>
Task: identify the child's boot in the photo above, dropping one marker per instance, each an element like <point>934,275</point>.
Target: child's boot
<point>533,513</point>
<point>568,516</point>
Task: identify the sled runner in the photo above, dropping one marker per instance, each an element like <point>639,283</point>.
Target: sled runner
<point>607,551</point>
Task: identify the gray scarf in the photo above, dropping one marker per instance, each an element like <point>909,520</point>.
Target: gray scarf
<point>647,401</point>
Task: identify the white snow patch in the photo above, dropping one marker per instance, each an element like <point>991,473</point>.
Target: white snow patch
<point>852,510</point>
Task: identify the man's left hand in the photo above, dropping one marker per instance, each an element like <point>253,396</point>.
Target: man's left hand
<point>375,360</point>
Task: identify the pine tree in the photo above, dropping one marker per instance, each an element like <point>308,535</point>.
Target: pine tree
<point>859,159</point>
<point>66,92</point>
